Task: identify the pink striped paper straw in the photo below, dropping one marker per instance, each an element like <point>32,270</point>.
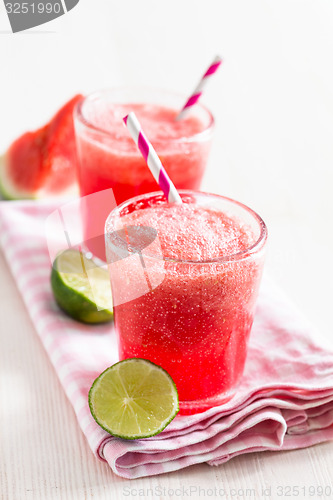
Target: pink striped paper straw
<point>151,158</point>
<point>196,94</point>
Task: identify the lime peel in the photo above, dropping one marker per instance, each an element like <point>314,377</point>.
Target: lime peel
<point>81,288</point>
<point>133,399</point>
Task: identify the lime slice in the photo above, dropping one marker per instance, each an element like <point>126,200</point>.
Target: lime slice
<point>134,399</point>
<point>81,288</point>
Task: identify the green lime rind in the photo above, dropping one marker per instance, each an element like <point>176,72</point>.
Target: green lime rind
<point>133,399</point>
<point>72,289</point>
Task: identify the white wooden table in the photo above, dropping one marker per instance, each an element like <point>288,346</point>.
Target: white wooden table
<point>273,149</point>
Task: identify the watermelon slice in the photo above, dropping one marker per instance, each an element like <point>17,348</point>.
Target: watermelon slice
<point>42,163</point>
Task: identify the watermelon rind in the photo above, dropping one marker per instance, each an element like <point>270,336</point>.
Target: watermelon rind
<point>8,191</point>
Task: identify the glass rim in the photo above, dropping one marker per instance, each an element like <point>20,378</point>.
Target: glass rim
<point>199,136</point>
<point>238,256</point>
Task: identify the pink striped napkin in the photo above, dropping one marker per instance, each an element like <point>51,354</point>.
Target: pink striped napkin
<point>285,400</point>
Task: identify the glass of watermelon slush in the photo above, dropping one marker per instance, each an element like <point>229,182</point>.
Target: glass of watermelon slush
<point>203,271</point>
<point>108,158</point>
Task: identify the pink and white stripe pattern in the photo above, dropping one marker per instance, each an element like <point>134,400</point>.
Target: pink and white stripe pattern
<point>151,158</point>
<point>196,94</point>
<point>284,401</point>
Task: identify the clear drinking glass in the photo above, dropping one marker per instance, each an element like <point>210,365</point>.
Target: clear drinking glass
<point>191,317</point>
<point>108,158</point>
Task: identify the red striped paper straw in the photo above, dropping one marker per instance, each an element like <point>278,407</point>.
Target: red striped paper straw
<point>151,158</point>
<point>196,94</point>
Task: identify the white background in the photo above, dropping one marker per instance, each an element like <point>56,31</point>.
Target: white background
<point>273,150</point>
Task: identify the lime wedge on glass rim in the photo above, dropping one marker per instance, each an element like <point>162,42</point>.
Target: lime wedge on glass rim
<point>81,288</point>
<point>134,399</point>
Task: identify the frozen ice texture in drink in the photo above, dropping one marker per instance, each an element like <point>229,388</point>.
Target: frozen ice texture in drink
<point>196,322</point>
<point>108,158</point>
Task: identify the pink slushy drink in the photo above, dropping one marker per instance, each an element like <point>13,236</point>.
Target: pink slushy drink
<point>204,271</point>
<point>108,158</point>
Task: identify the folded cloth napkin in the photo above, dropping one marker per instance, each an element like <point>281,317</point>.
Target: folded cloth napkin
<point>285,400</point>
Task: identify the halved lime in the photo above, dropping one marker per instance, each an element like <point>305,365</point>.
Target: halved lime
<point>81,288</point>
<point>134,399</point>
